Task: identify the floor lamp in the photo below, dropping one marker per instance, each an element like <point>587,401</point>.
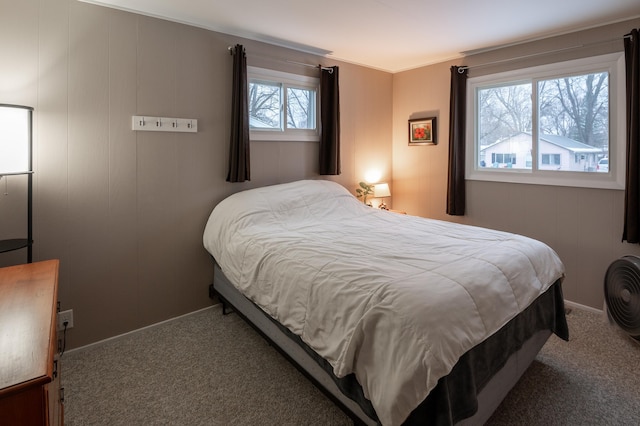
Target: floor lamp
<point>16,158</point>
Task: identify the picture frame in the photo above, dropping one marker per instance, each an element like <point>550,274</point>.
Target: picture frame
<point>423,131</point>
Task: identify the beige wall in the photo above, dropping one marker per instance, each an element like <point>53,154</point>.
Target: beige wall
<point>583,225</point>
<point>124,211</point>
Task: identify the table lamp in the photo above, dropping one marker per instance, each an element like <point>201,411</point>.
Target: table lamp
<point>381,190</point>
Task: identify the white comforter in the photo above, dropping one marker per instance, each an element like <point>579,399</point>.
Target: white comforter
<point>394,299</point>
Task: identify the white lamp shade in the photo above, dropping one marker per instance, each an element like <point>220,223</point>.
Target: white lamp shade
<point>15,129</point>
<point>381,190</point>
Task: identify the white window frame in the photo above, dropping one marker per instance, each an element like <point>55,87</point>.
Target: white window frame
<point>287,80</point>
<point>614,179</point>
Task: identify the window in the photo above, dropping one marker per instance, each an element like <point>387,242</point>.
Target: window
<point>502,160</point>
<point>550,159</point>
<point>282,106</point>
<point>551,124</point>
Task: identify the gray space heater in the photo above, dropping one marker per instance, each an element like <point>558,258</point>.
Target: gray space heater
<point>622,295</point>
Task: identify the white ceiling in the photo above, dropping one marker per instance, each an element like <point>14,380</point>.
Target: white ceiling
<point>390,35</point>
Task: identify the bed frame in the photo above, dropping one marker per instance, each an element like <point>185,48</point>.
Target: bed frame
<point>489,397</point>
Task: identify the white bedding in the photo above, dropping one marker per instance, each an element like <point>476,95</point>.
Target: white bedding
<point>395,299</point>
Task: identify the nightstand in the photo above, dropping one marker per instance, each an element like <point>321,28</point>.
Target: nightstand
<point>397,211</point>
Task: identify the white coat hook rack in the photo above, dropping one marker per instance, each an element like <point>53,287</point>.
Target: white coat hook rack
<point>164,124</point>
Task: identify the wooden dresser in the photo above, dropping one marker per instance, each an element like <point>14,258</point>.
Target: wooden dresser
<point>29,365</point>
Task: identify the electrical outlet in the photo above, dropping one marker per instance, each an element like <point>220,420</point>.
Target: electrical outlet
<point>65,316</point>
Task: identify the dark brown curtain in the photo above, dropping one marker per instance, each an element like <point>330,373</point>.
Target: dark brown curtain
<point>631,231</point>
<point>457,116</point>
<point>239,164</point>
<point>330,121</point>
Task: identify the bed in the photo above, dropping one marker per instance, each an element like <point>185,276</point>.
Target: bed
<point>400,319</point>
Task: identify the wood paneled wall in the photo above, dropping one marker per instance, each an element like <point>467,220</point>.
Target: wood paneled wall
<point>124,211</point>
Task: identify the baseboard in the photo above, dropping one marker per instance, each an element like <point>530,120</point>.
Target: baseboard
<point>567,303</point>
<point>575,305</point>
<point>137,330</point>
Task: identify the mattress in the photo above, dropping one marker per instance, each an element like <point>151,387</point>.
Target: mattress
<point>393,300</point>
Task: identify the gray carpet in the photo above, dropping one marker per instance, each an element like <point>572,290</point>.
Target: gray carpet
<point>206,369</point>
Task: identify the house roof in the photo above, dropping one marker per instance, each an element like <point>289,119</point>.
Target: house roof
<point>570,144</point>
<point>561,141</point>
<point>257,123</point>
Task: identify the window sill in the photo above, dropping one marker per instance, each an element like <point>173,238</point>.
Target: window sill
<point>578,180</point>
<point>283,137</point>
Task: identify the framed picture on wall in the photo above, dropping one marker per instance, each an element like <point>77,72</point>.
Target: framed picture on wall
<point>422,131</point>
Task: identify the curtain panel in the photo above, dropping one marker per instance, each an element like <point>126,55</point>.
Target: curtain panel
<point>330,121</point>
<point>457,116</point>
<point>239,153</point>
<point>631,232</point>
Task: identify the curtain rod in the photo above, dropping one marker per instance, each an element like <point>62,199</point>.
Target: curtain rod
<point>312,66</point>
<point>230,49</point>
<point>532,55</point>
